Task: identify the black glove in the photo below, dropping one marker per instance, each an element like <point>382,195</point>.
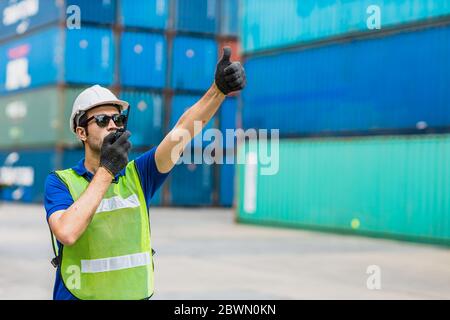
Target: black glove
<point>114,153</point>
<point>230,76</point>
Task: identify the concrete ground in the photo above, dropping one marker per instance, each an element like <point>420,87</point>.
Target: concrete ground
<point>203,254</point>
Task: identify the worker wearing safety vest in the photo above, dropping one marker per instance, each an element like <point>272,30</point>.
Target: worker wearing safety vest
<point>98,210</point>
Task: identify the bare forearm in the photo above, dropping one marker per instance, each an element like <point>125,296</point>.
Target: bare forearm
<point>202,111</point>
<point>189,125</point>
<point>71,224</point>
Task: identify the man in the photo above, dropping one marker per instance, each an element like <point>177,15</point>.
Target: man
<point>98,210</point>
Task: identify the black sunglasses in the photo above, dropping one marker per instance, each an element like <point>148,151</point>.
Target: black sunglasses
<point>102,120</point>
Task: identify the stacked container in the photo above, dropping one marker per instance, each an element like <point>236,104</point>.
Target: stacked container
<point>160,55</point>
<point>50,51</point>
<point>362,108</point>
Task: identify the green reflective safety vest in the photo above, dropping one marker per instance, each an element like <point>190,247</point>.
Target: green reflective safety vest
<point>113,258</point>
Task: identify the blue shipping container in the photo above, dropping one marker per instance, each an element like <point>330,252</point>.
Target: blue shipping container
<point>196,15</point>
<point>19,17</point>
<point>268,24</point>
<point>86,57</point>
<point>191,184</point>
<point>361,85</point>
<point>194,63</point>
<point>228,111</point>
<point>180,104</point>
<point>98,11</point>
<point>26,171</point>
<point>152,14</point>
<point>229,17</point>
<point>146,117</point>
<point>226,186</point>
<point>143,60</point>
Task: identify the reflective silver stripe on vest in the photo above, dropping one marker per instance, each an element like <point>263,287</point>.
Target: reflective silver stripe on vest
<point>116,203</point>
<point>115,263</point>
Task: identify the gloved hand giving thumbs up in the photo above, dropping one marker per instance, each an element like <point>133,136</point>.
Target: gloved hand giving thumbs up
<point>230,76</point>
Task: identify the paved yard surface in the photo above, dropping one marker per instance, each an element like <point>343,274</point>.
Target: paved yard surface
<point>203,254</point>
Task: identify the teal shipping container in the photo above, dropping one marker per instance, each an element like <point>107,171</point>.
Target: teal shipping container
<point>393,186</point>
<point>268,24</point>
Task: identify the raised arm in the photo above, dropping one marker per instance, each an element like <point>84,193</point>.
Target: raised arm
<point>229,77</point>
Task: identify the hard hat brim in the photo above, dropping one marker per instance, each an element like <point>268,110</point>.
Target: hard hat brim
<point>123,104</point>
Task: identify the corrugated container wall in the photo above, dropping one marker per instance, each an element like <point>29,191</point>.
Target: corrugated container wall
<point>229,17</point>
<point>268,24</point>
<point>19,17</point>
<point>97,11</point>
<point>152,14</point>
<point>26,172</point>
<point>32,118</point>
<point>143,60</point>
<point>359,86</point>
<point>37,118</point>
<point>196,16</point>
<point>226,179</point>
<point>194,61</point>
<point>180,103</point>
<point>87,57</point>
<point>146,117</point>
<point>389,186</point>
<point>191,184</point>
<point>22,16</point>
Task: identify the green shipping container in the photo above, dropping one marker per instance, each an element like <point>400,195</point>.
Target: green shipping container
<point>268,24</point>
<point>395,187</point>
<point>37,118</point>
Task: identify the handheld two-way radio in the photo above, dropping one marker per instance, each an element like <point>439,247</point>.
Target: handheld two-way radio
<point>120,131</point>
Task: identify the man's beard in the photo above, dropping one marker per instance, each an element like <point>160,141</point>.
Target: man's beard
<point>95,146</point>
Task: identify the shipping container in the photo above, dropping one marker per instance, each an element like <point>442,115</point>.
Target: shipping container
<point>25,173</point>
<point>146,117</point>
<point>194,63</point>
<point>89,56</point>
<point>71,157</point>
<point>67,137</point>
<point>180,103</point>
<point>393,186</point>
<point>97,11</point>
<point>153,14</point>
<point>226,179</point>
<point>22,16</point>
<point>19,17</point>
<point>37,118</point>
<point>229,17</point>
<point>228,112</point>
<point>73,56</point>
<point>268,24</point>
<point>196,16</point>
<point>374,85</point>
<point>143,60</point>
<point>192,184</point>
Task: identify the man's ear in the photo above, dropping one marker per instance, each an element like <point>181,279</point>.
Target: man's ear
<point>81,133</point>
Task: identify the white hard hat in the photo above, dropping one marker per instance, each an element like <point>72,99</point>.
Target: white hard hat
<point>93,97</point>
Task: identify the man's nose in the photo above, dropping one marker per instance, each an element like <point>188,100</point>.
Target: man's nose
<point>112,125</point>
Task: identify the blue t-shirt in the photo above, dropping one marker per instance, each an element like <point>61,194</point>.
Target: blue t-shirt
<point>57,197</point>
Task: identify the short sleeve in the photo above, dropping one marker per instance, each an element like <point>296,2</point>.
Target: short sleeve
<point>149,175</point>
<point>57,196</point>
